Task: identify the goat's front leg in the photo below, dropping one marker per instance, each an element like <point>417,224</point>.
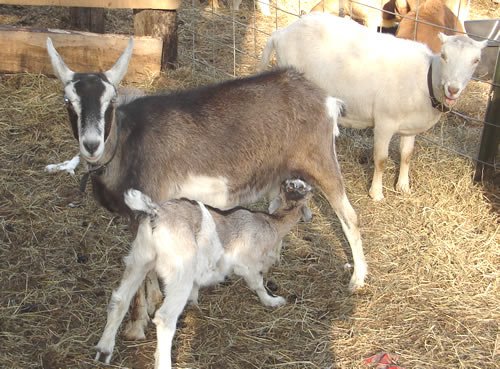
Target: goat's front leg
<point>382,138</point>
<point>120,300</point>
<point>406,144</point>
<point>254,280</point>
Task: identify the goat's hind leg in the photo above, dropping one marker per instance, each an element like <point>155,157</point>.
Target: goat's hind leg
<point>328,178</point>
<point>134,275</point>
<point>406,145</point>
<point>177,295</point>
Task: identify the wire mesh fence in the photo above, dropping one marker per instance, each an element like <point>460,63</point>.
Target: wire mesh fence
<point>222,42</point>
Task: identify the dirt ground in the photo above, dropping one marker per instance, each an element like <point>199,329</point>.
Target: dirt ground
<point>432,295</point>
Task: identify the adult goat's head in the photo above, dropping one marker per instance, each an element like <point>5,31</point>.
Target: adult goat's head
<point>90,99</point>
<point>460,56</point>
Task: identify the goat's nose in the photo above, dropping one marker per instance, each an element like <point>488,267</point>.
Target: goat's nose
<point>453,90</point>
<point>91,146</point>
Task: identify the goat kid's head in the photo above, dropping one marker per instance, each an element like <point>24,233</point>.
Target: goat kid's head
<point>460,55</point>
<point>294,193</point>
<point>90,99</point>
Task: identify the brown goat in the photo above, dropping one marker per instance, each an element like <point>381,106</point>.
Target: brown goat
<point>224,145</point>
<point>365,12</point>
<point>436,17</point>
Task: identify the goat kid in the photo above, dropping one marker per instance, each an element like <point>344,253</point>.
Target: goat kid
<point>191,245</point>
<point>395,86</point>
<point>224,145</point>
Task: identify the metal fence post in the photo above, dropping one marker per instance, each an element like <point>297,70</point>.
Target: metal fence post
<point>490,138</point>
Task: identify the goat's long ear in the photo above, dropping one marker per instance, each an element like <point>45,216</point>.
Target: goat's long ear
<point>442,37</point>
<point>482,44</point>
<point>60,69</point>
<point>306,214</point>
<point>118,71</point>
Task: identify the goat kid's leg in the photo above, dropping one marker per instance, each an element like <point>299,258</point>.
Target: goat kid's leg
<point>193,296</point>
<point>254,280</point>
<point>380,154</point>
<point>133,276</point>
<point>406,145</point>
<point>154,296</point>
<point>166,316</point>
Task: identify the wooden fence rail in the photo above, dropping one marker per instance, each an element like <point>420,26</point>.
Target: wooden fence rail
<point>23,49</point>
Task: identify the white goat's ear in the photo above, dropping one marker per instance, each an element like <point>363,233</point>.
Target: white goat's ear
<point>442,37</point>
<point>60,69</point>
<point>118,71</point>
<point>482,44</point>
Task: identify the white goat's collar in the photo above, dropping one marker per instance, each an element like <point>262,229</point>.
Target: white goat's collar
<point>436,104</point>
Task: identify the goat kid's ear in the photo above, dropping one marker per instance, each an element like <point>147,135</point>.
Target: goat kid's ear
<point>61,70</point>
<point>118,71</point>
<point>306,214</point>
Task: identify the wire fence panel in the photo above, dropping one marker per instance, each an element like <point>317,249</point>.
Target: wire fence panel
<point>221,42</point>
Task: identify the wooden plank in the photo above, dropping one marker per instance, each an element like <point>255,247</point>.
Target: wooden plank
<point>24,50</point>
<point>162,24</point>
<point>120,4</point>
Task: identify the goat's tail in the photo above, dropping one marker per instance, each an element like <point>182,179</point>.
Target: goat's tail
<point>138,201</point>
<point>266,54</point>
<point>335,108</point>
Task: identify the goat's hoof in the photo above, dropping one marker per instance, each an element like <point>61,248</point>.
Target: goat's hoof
<point>355,286</point>
<point>404,188</point>
<point>376,195</point>
<point>103,356</point>
<point>134,331</point>
<point>276,301</point>
<point>356,282</point>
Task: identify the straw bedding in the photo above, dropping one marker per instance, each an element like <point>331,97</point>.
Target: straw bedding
<point>432,294</point>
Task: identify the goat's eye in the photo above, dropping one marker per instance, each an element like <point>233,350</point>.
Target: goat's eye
<point>443,56</point>
<point>476,61</point>
<point>66,100</point>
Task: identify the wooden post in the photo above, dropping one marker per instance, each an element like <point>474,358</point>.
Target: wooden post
<point>490,138</point>
<point>162,24</point>
<point>87,19</point>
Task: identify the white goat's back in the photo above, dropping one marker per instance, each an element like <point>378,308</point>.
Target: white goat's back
<point>375,74</point>
<point>348,60</point>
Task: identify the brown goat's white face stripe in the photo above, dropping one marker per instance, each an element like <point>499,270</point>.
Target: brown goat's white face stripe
<point>90,96</point>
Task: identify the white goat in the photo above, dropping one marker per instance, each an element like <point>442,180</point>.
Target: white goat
<point>390,84</point>
<point>191,245</point>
